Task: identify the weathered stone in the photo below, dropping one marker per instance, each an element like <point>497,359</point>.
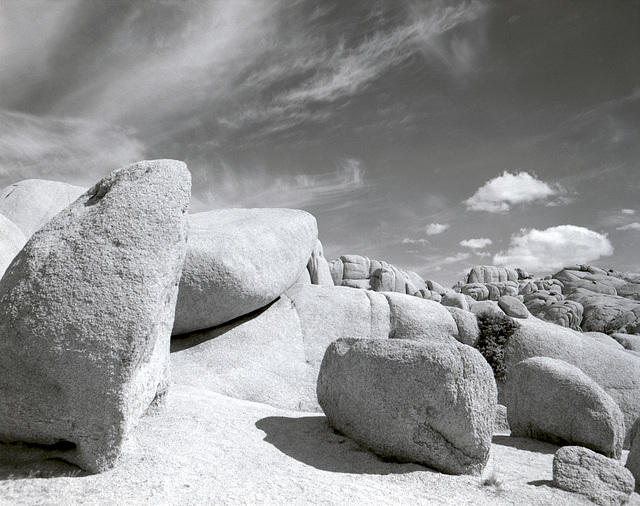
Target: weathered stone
<point>318,267</point>
<point>616,371</point>
<point>633,459</point>
<point>458,300</point>
<point>31,203</point>
<point>607,313</point>
<point>239,260</point>
<point>513,307</point>
<point>602,480</point>
<point>467,323</point>
<point>11,242</point>
<point>415,318</point>
<point>554,401</point>
<point>486,306</point>
<point>88,307</point>
<point>628,341</point>
<point>428,402</point>
<point>491,274</point>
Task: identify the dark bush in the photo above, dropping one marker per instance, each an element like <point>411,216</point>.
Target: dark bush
<point>495,331</point>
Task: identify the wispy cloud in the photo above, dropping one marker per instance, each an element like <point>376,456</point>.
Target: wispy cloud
<point>235,187</point>
<point>543,251</point>
<point>631,226</point>
<point>499,194</point>
<point>408,240</point>
<point>65,149</point>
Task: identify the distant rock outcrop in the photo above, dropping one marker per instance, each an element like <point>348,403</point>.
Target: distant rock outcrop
<point>427,402</point>
<point>358,271</point>
<point>551,400</point>
<point>88,306</point>
<point>239,260</point>
<point>602,480</point>
<point>31,203</point>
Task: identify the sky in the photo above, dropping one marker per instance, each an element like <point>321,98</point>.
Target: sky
<point>434,135</point>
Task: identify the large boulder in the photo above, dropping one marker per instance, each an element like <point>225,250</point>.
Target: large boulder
<point>416,318</point>
<point>239,260</point>
<point>31,203</point>
<point>11,242</point>
<point>616,371</point>
<point>491,274</point>
<point>554,401</point>
<point>633,459</point>
<point>427,402</point>
<point>88,306</point>
<point>602,480</point>
<point>513,307</point>
<point>467,323</point>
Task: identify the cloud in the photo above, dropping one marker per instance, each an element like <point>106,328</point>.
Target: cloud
<point>500,193</point>
<point>628,211</point>
<point>234,187</point>
<point>458,257</point>
<point>436,228</point>
<point>630,226</point>
<point>64,149</point>
<point>543,251</point>
<point>476,243</point>
<point>408,240</point>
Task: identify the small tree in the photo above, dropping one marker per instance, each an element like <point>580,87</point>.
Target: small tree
<point>495,331</point>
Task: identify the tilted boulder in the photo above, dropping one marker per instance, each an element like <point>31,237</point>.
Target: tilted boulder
<point>467,323</point>
<point>415,318</point>
<point>427,402</point>
<point>31,203</point>
<point>239,260</point>
<point>11,242</point>
<point>318,267</point>
<point>513,307</point>
<point>602,480</point>
<point>88,306</point>
<point>554,401</point>
<point>616,371</point>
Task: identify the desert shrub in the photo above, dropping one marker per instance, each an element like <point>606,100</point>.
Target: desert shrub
<point>495,331</point>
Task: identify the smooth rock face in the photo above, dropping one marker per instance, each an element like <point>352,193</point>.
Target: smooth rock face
<point>416,318</point>
<point>428,402</point>
<point>633,459</point>
<point>607,313</point>
<point>467,322</point>
<point>551,400</point>
<point>88,307</point>
<point>512,306</point>
<point>31,203</point>
<point>239,260</point>
<point>616,371</point>
<point>602,480</point>
<point>11,242</point>
<point>318,267</point>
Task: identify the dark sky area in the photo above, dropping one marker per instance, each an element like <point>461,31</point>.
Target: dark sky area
<point>434,135</point>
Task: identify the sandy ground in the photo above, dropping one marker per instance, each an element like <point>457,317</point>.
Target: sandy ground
<point>206,448</point>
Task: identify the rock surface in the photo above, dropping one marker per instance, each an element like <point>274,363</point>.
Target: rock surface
<point>426,402</point>
<point>239,260</point>
<point>602,480</point>
<point>616,371</point>
<point>633,459</point>
<point>318,267</point>
<point>31,203</point>
<point>551,400</point>
<point>11,242</point>
<point>88,307</point>
<point>513,307</point>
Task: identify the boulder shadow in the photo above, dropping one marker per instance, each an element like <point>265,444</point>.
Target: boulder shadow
<point>20,461</point>
<point>526,444</point>
<point>312,441</point>
<point>542,483</point>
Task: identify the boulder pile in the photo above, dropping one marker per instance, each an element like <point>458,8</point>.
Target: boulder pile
<point>103,291</point>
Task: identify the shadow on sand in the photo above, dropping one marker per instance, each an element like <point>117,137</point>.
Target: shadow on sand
<point>23,461</point>
<point>310,440</point>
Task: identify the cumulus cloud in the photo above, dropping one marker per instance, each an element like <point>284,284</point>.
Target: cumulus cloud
<point>630,226</point>
<point>436,228</point>
<point>501,193</point>
<point>628,211</point>
<point>476,243</point>
<point>543,251</point>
